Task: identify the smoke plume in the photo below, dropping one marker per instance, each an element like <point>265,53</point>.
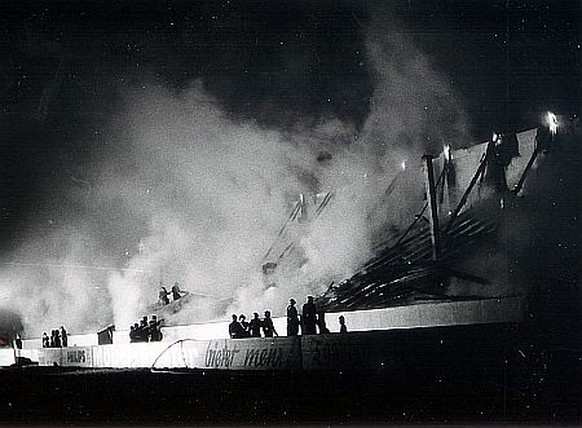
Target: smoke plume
<point>177,190</point>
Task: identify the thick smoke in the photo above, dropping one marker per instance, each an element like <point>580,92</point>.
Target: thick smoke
<point>414,106</point>
<point>58,288</point>
<point>179,191</point>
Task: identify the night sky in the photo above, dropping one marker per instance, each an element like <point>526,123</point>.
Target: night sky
<point>64,64</point>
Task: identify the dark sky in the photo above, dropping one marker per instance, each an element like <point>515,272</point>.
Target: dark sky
<point>63,65</point>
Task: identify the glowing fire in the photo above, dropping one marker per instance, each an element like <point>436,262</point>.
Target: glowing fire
<point>552,122</point>
<point>403,165</point>
<point>447,152</point>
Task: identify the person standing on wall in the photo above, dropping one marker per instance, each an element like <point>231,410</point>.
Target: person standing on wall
<point>242,319</point>
<point>309,316</point>
<point>342,322</point>
<point>292,319</point>
<point>155,333</point>
<point>143,330</point>
<point>55,339</point>
<point>235,330</point>
<point>64,337</point>
<point>255,326</point>
<point>321,323</point>
<point>45,340</point>
<point>268,327</point>
<point>133,333</point>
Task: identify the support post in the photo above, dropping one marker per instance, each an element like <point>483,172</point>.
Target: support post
<point>432,206</point>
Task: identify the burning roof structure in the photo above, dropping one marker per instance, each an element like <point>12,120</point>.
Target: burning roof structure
<point>465,208</point>
<point>468,199</point>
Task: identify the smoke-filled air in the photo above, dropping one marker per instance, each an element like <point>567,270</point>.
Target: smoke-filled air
<point>182,191</point>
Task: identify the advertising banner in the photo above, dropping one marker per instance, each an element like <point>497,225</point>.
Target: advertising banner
<point>254,354</point>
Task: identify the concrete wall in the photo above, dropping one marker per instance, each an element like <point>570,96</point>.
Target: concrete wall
<point>375,340</point>
<point>429,314</point>
<point>392,350</point>
<point>248,354</point>
<point>6,357</point>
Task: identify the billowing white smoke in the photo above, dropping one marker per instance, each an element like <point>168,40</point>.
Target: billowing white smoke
<point>197,197</point>
<point>55,288</point>
<point>214,192</point>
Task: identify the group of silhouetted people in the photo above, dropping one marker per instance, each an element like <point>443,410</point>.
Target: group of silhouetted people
<point>146,331</point>
<point>239,328</point>
<point>57,339</point>
<point>164,293</point>
<point>311,321</point>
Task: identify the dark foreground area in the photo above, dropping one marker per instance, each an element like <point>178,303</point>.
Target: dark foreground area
<point>500,374</point>
<point>543,388</point>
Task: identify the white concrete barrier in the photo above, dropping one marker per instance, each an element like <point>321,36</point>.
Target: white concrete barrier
<point>226,354</point>
<point>432,314</point>
<point>6,357</point>
<point>363,347</point>
<point>127,355</point>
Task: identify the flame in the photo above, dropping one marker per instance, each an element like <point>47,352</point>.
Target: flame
<point>552,122</point>
<point>447,152</point>
<point>403,165</point>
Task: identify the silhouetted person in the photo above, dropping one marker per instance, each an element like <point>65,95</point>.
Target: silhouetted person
<point>57,339</point>
<point>154,331</point>
<point>64,337</point>
<point>244,324</point>
<point>133,333</point>
<point>53,340</point>
<point>268,327</point>
<point>18,342</point>
<point>292,319</point>
<point>176,293</point>
<point>498,158</point>
<point>143,329</point>
<point>163,296</point>
<point>309,316</point>
<point>342,322</point>
<point>321,323</point>
<point>255,326</point>
<point>235,330</point>
<point>45,340</point>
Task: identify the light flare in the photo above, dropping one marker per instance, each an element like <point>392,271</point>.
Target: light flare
<point>447,152</point>
<point>403,165</point>
<point>552,122</point>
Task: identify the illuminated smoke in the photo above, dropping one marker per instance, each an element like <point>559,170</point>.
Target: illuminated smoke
<point>179,191</point>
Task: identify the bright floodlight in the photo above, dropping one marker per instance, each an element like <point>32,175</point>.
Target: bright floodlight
<point>552,122</point>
